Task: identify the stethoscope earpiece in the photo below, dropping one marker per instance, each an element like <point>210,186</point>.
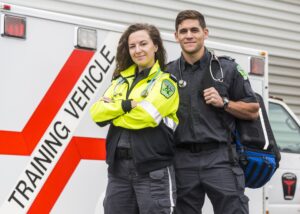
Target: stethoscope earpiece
<point>212,59</point>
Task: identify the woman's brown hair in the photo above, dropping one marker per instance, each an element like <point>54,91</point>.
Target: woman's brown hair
<point>123,59</point>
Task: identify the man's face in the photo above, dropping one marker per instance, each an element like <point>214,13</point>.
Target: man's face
<point>191,36</point>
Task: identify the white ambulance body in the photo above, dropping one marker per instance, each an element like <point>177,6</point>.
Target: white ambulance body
<point>283,191</point>
<point>52,155</point>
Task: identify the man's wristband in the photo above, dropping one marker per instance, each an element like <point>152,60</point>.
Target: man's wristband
<point>225,102</point>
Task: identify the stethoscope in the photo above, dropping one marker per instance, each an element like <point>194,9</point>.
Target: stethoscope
<point>144,93</point>
<point>182,83</point>
<point>121,80</point>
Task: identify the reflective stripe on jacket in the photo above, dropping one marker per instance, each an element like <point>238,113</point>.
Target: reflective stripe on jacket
<point>151,123</point>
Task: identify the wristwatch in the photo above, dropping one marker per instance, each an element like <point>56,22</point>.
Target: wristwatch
<point>225,102</point>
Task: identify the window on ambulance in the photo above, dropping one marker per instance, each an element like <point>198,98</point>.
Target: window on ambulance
<point>285,129</point>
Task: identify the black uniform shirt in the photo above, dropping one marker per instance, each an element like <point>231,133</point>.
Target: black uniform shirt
<point>199,122</point>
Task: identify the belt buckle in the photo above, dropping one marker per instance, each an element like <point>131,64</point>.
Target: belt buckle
<point>195,148</point>
<point>128,153</point>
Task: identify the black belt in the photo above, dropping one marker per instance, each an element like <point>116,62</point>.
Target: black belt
<point>123,153</point>
<point>198,147</point>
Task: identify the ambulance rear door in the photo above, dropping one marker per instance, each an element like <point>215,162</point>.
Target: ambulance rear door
<point>284,189</point>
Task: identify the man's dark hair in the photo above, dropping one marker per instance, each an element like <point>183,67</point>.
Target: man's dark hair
<point>190,14</point>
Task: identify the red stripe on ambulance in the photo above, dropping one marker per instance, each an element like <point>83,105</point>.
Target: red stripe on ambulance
<point>24,142</point>
<point>78,149</point>
<point>16,143</point>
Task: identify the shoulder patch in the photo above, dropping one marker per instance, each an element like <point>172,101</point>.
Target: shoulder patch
<point>242,72</point>
<point>167,68</point>
<point>167,88</point>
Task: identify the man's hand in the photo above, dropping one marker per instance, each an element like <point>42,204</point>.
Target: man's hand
<point>212,97</point>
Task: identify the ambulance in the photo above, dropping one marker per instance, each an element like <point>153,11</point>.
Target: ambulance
<point>52,155</point>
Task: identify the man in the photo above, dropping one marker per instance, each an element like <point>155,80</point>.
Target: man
<point>205,160</point>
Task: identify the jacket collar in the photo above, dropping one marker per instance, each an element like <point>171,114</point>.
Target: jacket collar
<point>130,71</point>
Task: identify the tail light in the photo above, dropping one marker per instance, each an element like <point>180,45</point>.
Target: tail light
<point>289,182</point>
<point>13,26</point>
<point>257,66</point>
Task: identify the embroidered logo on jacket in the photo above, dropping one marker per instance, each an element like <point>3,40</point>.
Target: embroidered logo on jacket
<point>167,88</point>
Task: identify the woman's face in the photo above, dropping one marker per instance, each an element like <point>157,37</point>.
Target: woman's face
<point>142,49</point>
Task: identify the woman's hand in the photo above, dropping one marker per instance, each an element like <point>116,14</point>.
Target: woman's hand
<point>133,104</point>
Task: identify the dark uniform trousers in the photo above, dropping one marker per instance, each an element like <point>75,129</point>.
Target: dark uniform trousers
<point>129,192</point>
<point>209,172</point>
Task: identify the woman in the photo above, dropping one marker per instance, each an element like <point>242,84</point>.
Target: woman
<point>140,106</point>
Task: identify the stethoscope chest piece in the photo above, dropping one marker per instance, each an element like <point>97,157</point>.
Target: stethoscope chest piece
<point>182,83</point>
<point>144,93</point>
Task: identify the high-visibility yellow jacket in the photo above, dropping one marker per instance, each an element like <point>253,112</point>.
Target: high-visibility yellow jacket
<point>151,123</point>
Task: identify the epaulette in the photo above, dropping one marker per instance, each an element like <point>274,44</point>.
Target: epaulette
<point>173,77</point>
<point>170,62</point>
<point>226,57</point>
<point>168,66</point>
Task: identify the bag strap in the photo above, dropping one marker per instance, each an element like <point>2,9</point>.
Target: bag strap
<point>220,87</point>
<point>229,140</point>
